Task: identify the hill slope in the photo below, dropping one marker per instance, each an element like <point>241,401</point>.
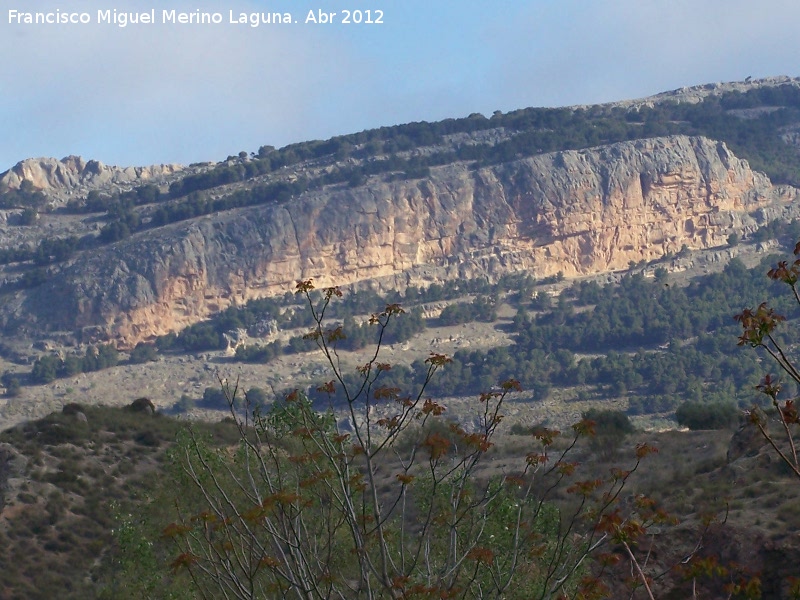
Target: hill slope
<point>578,212</point>
<point>580,190</point>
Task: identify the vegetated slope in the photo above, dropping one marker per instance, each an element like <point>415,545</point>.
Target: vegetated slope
<point>86,493</point>
<point>68,478</point>
<point>577,190</point>
<point>644,343</point>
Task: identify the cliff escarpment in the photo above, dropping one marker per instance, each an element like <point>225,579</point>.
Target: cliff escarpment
<point>578,212</point>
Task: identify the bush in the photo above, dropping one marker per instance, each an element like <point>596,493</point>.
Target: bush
<point>214,398</point>
<point>701,415</point>
<point>142,405</point>
<point>12,384</point>
<point>29,216</point>
<point>256,397</point>
<point>143,353</point>
<point>305,498</point>
<point>611,428</point>
<point>610,422</point>
<point>45,369</point>
<point>258,354</point>
<point>185,404</point>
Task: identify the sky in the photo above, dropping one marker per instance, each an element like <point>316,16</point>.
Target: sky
<point>159,92</point>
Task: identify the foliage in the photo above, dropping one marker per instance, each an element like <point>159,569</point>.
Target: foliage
<point>28,216</point>
<point>611,427</point>
<point>201,336</point>
<point>658,345</point>
<point>480,309</point>
<point>535,131</point>
<point>214,397</point>
<point>26,196</point>
<point>707,415</point>
<point>394,153</point>
<point>311,505</point>
<point>760,330</point>
<point>778,426</point>
<point>45,369</point>
<point>12,385</point>
<point>143,353</point>
<point>79,534</point>
<point>258,354</point>
<point>49,367</point>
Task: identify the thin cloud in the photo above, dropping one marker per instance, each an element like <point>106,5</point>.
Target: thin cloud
<point>178,87</point>
<point>146,94</point>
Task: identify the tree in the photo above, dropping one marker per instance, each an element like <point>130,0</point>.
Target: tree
<point>143,353</point>
<point>11,382</point>
<point>28,216</point>
<point>760,327</point>
<point>114,231</point>
<point>387,501</point>
<point>45,369</point>
<point>778,425</point>
<point>611,428</point>
<point>706,415</point>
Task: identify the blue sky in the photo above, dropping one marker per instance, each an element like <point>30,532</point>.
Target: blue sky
<point>159,93</point>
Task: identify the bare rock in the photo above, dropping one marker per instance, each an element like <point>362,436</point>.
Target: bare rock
<point>746,442</point>
<point>142,405</point>
<point>577,212</point>
<point>60,178</point>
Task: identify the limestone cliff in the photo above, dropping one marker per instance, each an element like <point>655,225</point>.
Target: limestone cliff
<point>61,178</point>
<point>578,212</point>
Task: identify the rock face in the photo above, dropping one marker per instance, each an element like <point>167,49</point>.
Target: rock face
<point>60,178</point>
<point>578,212</point>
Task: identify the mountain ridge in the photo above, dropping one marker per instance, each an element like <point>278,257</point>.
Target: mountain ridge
<point>697,93</point>
<point>408,205</point>
<point>71,175</point>
<point>577,212</point>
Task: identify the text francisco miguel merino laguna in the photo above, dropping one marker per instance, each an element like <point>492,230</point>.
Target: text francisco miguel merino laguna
<point>197,17</point>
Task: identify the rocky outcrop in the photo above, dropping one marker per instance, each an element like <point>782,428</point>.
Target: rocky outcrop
<point>578,212</point>
<point>61,178</point>
<point>697,93</point>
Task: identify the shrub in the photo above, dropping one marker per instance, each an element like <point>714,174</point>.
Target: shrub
<point>143,353</point>
<point>389,501</point>
<point>611,428</point>
<point>45,369</point>
<point>142,405</point>
<point>12,385</point>
<point>700,415</point>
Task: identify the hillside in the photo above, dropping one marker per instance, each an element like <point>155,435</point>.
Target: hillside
<point>576,212</point>
<point>86,493</point>
<point>594,254</point>
<point>92,255</point>
<point>581,191</point>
